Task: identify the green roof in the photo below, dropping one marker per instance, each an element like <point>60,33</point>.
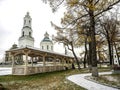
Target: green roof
<point>46,39</point>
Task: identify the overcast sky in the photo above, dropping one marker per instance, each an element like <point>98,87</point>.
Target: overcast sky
<point>11,21</point>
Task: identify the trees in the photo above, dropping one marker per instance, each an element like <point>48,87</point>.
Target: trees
<point>110,31</point>
<point>69,38</point>
<point>82,11</point>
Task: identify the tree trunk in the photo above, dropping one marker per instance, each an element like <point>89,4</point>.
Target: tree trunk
<point>85,56</point>
<point>93,42</point>
<point>89,59</point>
<point>110,52</point>
<point>109,45</point>
<point>77,61</point>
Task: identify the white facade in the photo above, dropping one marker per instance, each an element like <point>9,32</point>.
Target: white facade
<point>26,38</point>
<point>46,44</point>
<point>26,41</point>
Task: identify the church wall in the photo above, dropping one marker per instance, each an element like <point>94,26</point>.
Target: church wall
<point>45,45</point>
<point>26,42</point>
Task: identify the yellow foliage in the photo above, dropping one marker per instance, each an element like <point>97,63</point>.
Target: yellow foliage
<point>89,39</point>
<point>72,3</point>
<point>91,7</point>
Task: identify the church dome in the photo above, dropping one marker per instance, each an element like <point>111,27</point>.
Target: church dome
<point>46,38</point>
<point>14,46</point>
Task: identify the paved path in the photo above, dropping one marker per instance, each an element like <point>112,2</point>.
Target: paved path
<point>5,71</point>
<point>81,81</point>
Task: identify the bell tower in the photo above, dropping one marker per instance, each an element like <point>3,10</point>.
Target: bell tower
<point>27,20</point>
<point>26,38</point>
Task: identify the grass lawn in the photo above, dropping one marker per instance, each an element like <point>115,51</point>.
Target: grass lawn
<point>111,80</point>
<point>44,81</point>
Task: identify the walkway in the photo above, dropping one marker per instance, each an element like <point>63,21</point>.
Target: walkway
<point>5,71</point>
<point>81,81</point>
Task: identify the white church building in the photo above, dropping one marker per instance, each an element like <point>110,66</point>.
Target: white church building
<point>26,38</point>
<point>25,54</point>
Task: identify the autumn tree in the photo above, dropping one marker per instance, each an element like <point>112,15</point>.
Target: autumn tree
<point>82,11</point>
<point>69,38</point>
<point>110,30</point>
<point>100,48</point>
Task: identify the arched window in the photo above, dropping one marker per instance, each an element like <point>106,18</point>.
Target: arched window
<point>29,21</point>
<point>47,47</point>
<point>30,34</point>
<point>42,47</point>
<point>23,33</point>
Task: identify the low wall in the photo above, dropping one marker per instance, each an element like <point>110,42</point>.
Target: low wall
<point>34,70</point>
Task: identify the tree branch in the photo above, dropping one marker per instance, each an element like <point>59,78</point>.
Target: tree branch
<point>96,2</point>
<point>69,47</point>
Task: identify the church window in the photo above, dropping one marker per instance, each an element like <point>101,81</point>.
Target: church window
<point>22,33</point>
<point>42,47</point>
<point>30,34</point>
<point>47,47</point>
<point>24,21</point>
<point>29,21</point>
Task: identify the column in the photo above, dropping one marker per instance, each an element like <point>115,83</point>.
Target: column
<point>62,61</point>
<point>26,60</point>
<point>13,61</point>
<point>59,62</point>
<point>32,61</point>
<point>54,61</point>
<point>44,60</point>
<point>26,64</point>
<point>44,64</point>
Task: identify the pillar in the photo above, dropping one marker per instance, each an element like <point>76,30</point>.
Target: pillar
<point>59,62</point>
<point>44,60</point>
<point>13,61</point>
<point>62,61</point>
<point>44,64</point>
<point>26,52</point>
<point>26,60</point>
<point>54,61</point>
<point>32,61</point>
